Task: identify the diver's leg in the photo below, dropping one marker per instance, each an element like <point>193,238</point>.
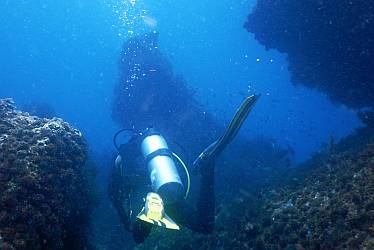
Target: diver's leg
<point>206,199</point>
<point>140,230</point>
<point>201,218</point>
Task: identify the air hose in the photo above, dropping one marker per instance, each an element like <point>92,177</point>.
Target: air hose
<point>187,174</point>
<point>119,132</point>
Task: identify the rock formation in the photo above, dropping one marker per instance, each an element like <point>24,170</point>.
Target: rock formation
<point>329,44</point>
<point>44,197</point>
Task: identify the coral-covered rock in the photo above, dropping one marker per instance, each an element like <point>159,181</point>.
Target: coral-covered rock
<point>329,43</point>
<point>43,193</point>
<point>331,208</point>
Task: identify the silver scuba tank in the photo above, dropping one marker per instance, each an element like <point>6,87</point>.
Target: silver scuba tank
<point>161,167</point>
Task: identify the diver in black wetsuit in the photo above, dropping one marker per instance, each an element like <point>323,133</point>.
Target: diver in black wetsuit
<point>165,205</point>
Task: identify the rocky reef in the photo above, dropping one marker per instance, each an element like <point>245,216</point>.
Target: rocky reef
<point>330,207</point>
<point>326,203</point>
<point>330,44</point>
<point>44,191</point>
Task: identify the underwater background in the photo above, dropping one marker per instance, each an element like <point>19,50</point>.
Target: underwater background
<point>298,176</point>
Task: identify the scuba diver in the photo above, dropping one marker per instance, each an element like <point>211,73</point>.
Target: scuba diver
<point>166,200</point>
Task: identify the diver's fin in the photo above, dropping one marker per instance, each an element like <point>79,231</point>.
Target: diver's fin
<point>219,145</point>
<point>165,221</point>
<point>153,212</point>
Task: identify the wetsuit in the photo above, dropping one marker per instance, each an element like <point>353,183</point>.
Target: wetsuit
<point>199,218</point>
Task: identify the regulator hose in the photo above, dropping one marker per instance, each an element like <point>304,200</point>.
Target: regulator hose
<point>119,132</point>
<point>187,174</point>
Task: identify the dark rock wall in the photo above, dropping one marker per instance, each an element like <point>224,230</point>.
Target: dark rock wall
<point>149,94</point>
<point>330,44</point>
<point>44,197</point>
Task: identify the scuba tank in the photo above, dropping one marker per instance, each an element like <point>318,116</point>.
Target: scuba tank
<point>160,162</point>
<point>162,170</point>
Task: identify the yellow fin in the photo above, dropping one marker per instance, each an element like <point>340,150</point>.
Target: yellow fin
<point>153,212</point>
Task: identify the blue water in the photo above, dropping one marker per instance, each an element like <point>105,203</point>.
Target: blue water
<point>66,53</point>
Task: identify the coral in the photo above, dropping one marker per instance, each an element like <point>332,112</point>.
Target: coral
<point>330,44</point>
<point>43,191</point>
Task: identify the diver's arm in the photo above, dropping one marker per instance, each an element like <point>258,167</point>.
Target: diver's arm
<point>119,193</point>
<point>123,215</point>
<point>118,197</point>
